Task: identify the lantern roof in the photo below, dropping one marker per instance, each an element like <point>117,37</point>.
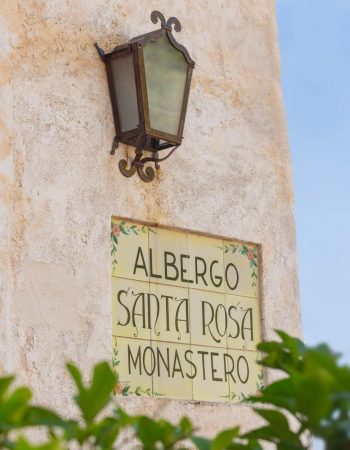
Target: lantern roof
<point>166,28</point>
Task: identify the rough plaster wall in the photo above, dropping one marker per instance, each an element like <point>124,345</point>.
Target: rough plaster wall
<point>60,186</point>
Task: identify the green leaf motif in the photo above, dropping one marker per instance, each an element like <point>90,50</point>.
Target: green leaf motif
<point>138,390</point>
<point>123,228</point>
<point>125,390</point>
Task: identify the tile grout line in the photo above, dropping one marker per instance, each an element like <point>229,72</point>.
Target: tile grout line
<point>184,287</point>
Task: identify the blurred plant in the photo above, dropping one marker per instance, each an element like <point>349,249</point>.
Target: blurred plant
<point>315,394</point>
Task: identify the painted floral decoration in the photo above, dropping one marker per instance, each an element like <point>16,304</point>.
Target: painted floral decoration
<point>252,255</point>
<point>119,229</point>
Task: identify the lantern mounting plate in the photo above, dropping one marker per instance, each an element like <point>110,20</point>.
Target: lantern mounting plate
<point>149,81</point>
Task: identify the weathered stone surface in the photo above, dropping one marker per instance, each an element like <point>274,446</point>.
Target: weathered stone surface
<point>59,185</point>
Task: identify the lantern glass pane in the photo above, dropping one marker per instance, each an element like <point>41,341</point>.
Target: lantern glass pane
<point>125,89</point>
<point>165,72</point>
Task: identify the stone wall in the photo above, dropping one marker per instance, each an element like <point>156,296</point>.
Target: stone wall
<point>60,186</point>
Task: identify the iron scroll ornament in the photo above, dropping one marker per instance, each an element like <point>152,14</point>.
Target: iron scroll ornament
<point>167,25</point>
<point>147,173</point>
<point>145,138</point>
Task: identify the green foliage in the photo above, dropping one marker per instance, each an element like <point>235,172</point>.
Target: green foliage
<point>315,391</point>
<point>93,398</point>
<point>312,397</point>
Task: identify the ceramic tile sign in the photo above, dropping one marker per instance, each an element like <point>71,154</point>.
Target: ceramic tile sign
<point>185,311</point>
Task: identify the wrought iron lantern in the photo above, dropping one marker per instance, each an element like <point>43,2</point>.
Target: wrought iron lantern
<point>149,82</point>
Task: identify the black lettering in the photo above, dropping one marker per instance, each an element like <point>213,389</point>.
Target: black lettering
<point>152,360</point>
<point>167,315</point>
<point>206,324</point>
<point>194,368</point>
<point>203,363</point>
<point>198,273</point>
<point>183,270</point>
<point>186,318</point>
<point>227,370</point>
<point>216,277</point>
<point>153,305</point>
<point>140,266</point>
<point>168,264</point>
<point>165,363</point>
<point>248,313</point>
<point>226,276</point>
<point>221,307</point>
<point>134,361</point>
<point>142,314</point>
<point>242,358</point>
<point>125,307</point>
<point>213,371</point>
<point>177,362</point>
<point>231,308</point>
<point>151,274</point>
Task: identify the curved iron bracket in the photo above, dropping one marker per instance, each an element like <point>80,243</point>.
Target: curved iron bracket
<point>147,173</point>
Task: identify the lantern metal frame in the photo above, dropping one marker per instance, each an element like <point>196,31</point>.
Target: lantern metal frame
<point>145,138</point>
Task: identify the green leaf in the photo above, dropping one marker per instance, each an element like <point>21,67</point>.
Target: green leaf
<point>13,408</point>
<point>201,443</point>
<point>264,433</point>
<point>281,393</point>
<point>76,375</point>
<point>294,345</point>
<point>54,444</point>
<point>277,421</point>
<point>92,399</point>
<point>5,383</point>
<point>37,416</point>
<point>72,430</point>
<point>313,397</point>
<point>270,346</point>
<point>147,431</point>
<point>186,425</point>
<point>224,438</point>
<point>122,417</point>
<point>106,432</point>
<point>282,387</point>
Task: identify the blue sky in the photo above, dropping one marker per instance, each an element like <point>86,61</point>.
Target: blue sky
<point>315,51</point>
